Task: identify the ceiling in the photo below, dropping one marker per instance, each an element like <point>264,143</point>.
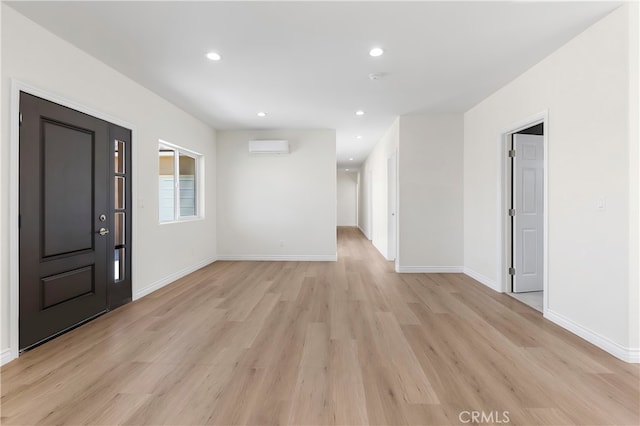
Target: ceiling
<point>307,64</point>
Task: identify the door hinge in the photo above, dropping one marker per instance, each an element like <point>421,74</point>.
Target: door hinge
<point>20,119</point>
<point>512,153</point>
<point>512,212</point>
<point>19,221</point>
<point>512,271</point>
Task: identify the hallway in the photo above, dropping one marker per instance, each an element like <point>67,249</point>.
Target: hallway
<point>347,342</point>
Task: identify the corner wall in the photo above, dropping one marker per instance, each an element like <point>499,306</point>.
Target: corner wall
<point>430,193</point>
<point>373,206</point>
<point>37,57</point>
<point>277,207</point>
<point>634,179</point>
<point>585,86</point>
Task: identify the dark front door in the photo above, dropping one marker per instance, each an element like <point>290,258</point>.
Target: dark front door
<point>66,215</point>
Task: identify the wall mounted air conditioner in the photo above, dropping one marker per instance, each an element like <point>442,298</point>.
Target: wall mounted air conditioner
<point>269,147</point>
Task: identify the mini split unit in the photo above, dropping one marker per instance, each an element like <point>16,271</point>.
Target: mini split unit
<point>269,147</point>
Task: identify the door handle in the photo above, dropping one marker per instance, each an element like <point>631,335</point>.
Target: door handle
<point>103,231</point>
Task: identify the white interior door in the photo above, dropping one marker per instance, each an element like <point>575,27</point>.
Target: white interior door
<point>391,209</point>
<point>528,216</point>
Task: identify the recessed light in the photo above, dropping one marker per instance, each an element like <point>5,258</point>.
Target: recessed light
<point>346,170</point>
<point>351,159</point>
<point>358,137</point>
<point>359,112</point>
<point>214,56</point>
<point>376,51</point>
<point>262,114</point>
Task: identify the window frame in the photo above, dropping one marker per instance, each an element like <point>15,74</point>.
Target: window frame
<point>198,181</point>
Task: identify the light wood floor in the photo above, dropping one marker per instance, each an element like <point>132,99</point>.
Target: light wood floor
<point>319,343</point>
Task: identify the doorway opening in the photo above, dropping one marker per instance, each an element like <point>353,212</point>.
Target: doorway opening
<point>369,205</point>
<point>392,228</point>
<point>524,212</point>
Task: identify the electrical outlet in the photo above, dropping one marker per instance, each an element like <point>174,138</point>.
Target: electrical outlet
<point>281,243</point>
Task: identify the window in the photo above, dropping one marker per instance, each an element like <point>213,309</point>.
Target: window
<point>122,209</point>
<point>179,184</point>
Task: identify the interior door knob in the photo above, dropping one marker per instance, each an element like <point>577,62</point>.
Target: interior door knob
<point>103,231</point>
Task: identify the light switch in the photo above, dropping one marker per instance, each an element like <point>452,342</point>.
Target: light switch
<point>601,204</point>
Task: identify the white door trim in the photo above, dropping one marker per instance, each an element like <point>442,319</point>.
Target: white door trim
<point>504,186</point>
<point>14,185</point>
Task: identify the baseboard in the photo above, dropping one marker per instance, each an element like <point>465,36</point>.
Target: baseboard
<point>171,278</point>
<point>482,279</point>
<point>379,249</point>
<point>430,269</point>
<point>631,355</point>
<point>280,258</point>
<point>364,233</point>
<point>6,355</point>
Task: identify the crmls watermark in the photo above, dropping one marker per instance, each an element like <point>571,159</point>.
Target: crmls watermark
<point>479,417</point>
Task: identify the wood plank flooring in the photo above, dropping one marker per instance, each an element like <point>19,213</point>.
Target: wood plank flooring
<point>306,343</point>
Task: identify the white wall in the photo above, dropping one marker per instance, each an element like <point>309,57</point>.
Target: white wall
<point>585,86</point>
<point>277,206</point>
<point>364,202</point>
<point>430,193</point>
<point>5,353</point>
<point>347,186</point>
<point>634,177</point>
<point>373,205</point>
<point>36,57</point>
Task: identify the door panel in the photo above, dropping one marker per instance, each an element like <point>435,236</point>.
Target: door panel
<point>66,159</point>
<point>67,170</point>
<point>528,220</point>
<point>529,191</point>
<point>66,286</point>
<point>530,250</point>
